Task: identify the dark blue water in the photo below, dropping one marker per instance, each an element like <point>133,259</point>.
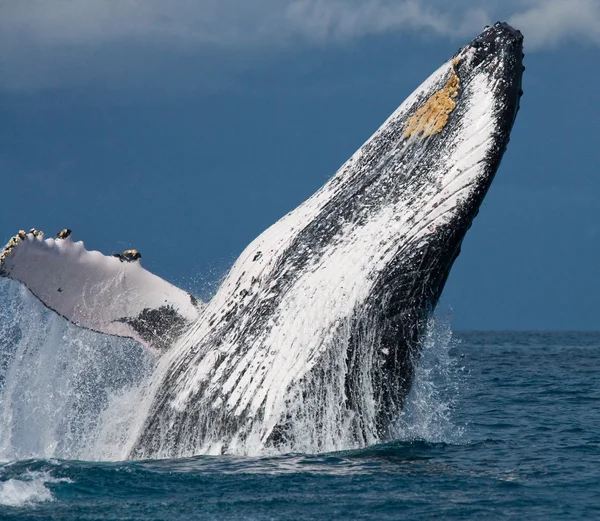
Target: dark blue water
<point>524,443</point>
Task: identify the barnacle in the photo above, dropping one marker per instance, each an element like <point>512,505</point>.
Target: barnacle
<point>433,115</point>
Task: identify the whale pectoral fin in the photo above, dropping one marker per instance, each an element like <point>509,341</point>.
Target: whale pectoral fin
<point>108,294</point>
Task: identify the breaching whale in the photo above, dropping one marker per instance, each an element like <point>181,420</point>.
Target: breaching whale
<point>313,336</point>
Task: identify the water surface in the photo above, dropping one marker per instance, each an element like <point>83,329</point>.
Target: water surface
<point>509,428</point>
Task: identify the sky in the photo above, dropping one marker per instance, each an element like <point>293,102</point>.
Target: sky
<point>185,128</point>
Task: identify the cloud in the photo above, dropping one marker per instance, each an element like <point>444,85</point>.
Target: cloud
<point>46,43</point>
<point>221,22</point>
<point>338,20</point>
<point>547,22</point>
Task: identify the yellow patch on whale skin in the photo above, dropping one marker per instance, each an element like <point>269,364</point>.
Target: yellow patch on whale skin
<point>432,117</point>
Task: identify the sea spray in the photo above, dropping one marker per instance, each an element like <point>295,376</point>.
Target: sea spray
<point>439,378</point>
<point>57,379</point>
<point>70,393</point>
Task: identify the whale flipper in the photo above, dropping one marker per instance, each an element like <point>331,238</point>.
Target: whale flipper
<point>108,294</point>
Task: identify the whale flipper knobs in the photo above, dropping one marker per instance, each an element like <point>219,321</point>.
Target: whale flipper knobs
<point>36,233</point>
<point>128,256</point>
<point>14,242</point>
<point>10,246</point>
<point>63,234</point>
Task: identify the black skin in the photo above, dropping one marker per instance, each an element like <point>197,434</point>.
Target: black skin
<point>159,327</point>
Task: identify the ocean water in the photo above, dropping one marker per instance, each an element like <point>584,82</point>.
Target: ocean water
<point>500,425</point>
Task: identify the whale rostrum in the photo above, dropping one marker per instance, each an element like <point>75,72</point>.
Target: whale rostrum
<point>311,341</point>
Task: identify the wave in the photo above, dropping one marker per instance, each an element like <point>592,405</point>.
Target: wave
<point>28,488</point>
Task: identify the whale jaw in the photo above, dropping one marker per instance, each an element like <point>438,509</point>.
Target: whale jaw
<point>310,344</point>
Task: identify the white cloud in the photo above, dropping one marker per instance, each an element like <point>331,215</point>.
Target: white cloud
<point>335,20</point>
<point>221,22</point>
<point>54,42</point>
<point>547,22</point>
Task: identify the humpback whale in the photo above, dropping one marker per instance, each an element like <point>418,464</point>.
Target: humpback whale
<point>314,334</point>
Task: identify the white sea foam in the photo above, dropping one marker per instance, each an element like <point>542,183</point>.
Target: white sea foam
<point>30,488</point>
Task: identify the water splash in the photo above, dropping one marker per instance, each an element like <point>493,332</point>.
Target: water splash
<point>56,379</point>
<point>74,394</point>
<point>428,414</point>
<point>320,425</point>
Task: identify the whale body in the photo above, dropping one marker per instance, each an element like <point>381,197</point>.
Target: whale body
<point>314,334</point>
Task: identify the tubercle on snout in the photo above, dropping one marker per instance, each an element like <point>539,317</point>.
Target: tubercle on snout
<point>432,116</point>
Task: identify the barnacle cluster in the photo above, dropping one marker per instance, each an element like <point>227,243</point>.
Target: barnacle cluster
<point>433,115</point>
<point>63,234</point>
<point>14,241</point>
<point>128,256</point>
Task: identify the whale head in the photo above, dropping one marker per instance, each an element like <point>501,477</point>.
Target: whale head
<point>311,341</point>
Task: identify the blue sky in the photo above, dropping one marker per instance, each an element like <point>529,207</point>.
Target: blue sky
<point>184,129</point>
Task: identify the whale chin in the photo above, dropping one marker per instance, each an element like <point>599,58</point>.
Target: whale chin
<point>311,341</point>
